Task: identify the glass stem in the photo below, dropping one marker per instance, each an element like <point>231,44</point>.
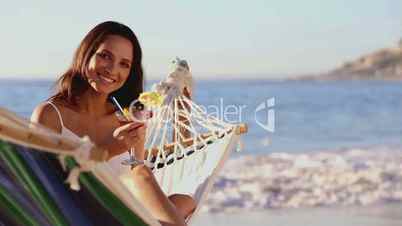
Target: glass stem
<point>132,154</point>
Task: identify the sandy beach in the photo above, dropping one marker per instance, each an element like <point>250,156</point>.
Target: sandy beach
<point>373,215</point>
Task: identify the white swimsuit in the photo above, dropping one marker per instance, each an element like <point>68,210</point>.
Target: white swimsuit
<point>114,163</point>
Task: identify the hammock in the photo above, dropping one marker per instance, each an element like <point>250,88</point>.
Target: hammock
<point>31,193</point>
<point>188,165</point>
<point>201,144</point>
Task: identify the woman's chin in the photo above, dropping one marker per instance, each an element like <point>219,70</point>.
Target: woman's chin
<point>101,89</point>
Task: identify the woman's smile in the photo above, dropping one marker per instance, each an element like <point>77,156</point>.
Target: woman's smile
<point>105,79</point>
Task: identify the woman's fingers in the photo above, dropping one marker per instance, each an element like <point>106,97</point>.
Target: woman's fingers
<point>127,130</point>
<point>137,131</point>
<point>133,125</point>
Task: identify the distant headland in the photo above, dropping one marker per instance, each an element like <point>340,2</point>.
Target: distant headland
<point>383,64</point>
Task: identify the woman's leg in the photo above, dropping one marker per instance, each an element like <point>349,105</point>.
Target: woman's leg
<point>154,200</point>
<point>185,204</point>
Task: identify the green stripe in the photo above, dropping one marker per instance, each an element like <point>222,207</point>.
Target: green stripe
<point>107,199</point>
<point>31,183</point>
<point>14,210</point>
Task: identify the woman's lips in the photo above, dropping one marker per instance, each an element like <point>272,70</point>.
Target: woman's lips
<point>106,79</point>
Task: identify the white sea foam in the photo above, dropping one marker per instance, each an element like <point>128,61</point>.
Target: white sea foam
<point>280,180</point>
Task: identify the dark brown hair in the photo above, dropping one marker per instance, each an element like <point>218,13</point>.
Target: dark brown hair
<point>74,82</point>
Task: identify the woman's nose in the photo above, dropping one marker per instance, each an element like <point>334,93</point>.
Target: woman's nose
<point>111,68</point>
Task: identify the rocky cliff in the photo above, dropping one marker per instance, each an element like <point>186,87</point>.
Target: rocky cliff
<point>384,64</point>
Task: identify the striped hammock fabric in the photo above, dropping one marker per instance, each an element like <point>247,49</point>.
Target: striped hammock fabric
<point>32,182</point>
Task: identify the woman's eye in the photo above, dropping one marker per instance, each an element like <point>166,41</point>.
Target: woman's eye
<point>104,56</point>
<point>125,65</point>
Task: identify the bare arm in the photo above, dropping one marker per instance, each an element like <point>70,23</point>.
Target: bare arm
<point>46,115</point>
<point>154,200</point>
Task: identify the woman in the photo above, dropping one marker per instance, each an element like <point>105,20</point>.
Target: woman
<point>108,63</point>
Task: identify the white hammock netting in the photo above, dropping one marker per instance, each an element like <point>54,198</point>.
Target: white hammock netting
<point>185,146</point>
<point>201,143</point>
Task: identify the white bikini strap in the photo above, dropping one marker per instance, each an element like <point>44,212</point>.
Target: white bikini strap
<point>58,112</point>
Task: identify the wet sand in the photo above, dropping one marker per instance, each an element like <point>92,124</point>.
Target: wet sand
<point>373,215</point>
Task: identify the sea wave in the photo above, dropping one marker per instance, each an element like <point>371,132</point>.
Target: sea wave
<point>326,178</point>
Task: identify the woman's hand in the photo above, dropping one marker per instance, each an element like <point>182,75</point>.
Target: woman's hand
<point>129,135</point>
<point>126,133</point>
<point>139,143</point>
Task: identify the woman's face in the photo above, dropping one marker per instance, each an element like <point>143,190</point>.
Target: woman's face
<point>110,65</point>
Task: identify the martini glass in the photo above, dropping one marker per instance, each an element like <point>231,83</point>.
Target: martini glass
<point>138,112</point>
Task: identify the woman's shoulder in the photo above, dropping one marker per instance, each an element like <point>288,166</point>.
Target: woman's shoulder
<point>47,115</point>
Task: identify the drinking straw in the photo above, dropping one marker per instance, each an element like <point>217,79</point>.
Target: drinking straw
<point>119,107</point>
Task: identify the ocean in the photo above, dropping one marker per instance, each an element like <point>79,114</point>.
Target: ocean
<point>306,115</point>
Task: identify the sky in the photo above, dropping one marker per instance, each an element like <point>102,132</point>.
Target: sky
<point>226,39</point>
